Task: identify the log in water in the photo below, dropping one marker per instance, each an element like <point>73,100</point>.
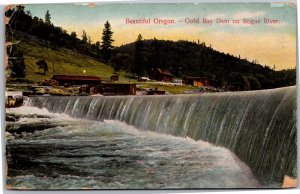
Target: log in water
<point>258,126</point>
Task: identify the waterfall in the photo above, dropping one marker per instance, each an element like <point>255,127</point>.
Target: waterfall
<point>258,126</point>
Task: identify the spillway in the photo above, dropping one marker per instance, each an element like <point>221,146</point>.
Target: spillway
<point>258,126</point>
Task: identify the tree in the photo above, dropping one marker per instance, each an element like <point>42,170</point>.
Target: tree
<point>42,64</point>
<point>155,59</point>
<point>106,44</point>
<point>237,79</point>
<point>48,18</point>
<point>139,57</point>
<point>121,61</point>
<point>74,41</point>
<point>73,35</point>
<point>254,83</point>
<point>97,44</point>
<point>19,21</point>
<point>84,37</point>
<point>16,62</point>
<point>95,48</point>
<point>28,13</point>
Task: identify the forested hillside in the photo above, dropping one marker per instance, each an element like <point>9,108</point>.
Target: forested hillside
<point>183,58</point>
<point>35,39</point>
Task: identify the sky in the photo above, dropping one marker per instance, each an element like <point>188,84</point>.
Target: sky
<point>267,43</point>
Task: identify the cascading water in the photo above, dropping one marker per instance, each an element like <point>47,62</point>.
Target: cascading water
<point>258,126</point>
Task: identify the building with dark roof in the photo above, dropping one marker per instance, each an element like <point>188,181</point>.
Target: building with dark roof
<point>111,89</point>
<point>197,81</point>
<point>159,74</point>
<point>77,80</point>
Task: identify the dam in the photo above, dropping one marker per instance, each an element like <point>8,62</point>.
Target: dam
<point>258,126</point>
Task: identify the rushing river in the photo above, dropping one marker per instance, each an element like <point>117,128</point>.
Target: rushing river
<point>54,151</point>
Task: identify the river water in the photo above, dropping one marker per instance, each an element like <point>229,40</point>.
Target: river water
<point>54,151</point>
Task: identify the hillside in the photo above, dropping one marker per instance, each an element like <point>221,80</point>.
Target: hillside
<point>65,61</point>
<point>69,54</point>
<point>184,58</point>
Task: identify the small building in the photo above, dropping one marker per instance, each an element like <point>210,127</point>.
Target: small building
<point>197,81</point>
<point>159,74</point>
<point>111,89</point>
<point>114,78</point>
<point>76,80</point>
<point>13,99</point>
<point>178,81</point>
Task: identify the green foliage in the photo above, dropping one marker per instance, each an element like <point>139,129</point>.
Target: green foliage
<point>138,65</point>
<point>54,37</point>
<point>139,38</point>
<point>238,80</point>
<point>254,83</point>
<point>63,60</point>
<point>285,77</point>
<point>16,62</point>
<point>180,89</point>
<point>18,21</point>
<point>106,44</point>
<point>73,35</point>
<point>84,37</point>
<point>120,60</point>
<point>48,18</point>
<point>42,64</point>
<point>184,58</point>
<point>181,58</point>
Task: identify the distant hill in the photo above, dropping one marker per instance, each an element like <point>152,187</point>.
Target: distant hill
<point>184,58</point>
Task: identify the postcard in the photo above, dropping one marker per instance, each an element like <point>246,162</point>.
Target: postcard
<point>150,96</point>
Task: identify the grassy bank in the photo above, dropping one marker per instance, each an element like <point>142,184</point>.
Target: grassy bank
<point>179,89</point>
<point>63,60</point>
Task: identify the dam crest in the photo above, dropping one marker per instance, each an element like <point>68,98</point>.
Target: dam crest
<point>258,126</point>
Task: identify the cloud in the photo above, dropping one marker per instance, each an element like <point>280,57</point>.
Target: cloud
<point>247,14</point>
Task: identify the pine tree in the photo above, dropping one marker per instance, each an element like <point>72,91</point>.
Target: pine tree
<point>139,57</point>
<point>84,37</point>
<point>48,18</point>
<point>89,40</point>
<point>106,44</point>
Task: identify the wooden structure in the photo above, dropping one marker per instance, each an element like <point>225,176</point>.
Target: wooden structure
<point>13,99</point>
<point>159,74</point>
<point>76,80</point>
<point>111,89</point>
<point>114,78</point>
<point>197,81</point>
